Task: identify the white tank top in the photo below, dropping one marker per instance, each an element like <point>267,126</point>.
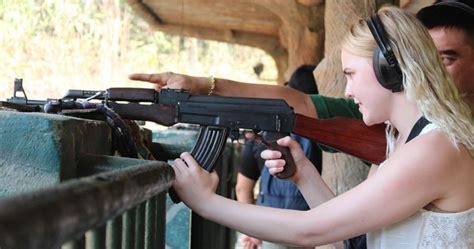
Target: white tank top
<point>427,229</point>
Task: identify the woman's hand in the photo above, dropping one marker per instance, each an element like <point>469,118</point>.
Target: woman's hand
<point>250,242</point>
<point>195,85</point>
<point>193,184</point>
<point>276,164</point>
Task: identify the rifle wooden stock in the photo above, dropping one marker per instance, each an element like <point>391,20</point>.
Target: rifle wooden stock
<point>347,135</point>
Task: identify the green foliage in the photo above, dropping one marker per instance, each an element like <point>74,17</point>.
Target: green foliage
<point>60,45</point>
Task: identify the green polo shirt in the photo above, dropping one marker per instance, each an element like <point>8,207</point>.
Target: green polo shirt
<point>329,107</point>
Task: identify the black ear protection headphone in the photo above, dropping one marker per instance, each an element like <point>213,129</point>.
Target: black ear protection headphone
<point>457,4</point>
<point>386,67</point>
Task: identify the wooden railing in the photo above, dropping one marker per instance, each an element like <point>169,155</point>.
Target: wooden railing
<point>118,209</point>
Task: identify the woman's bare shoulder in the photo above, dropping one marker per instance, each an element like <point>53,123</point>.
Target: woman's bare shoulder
<point>433,150</point>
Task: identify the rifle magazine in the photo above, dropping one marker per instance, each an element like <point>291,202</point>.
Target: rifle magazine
<point>209,145</point>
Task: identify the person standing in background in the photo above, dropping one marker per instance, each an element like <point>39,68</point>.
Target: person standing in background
<point>275,192</point>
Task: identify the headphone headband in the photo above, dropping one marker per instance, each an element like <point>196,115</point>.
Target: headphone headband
<point>385,63</point>
<point>379,33</point>
<point>457,4</point>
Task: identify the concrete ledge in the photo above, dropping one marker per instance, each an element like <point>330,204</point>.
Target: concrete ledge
<point>38,150</point>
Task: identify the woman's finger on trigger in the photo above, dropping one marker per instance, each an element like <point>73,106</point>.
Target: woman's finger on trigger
<point>290,143</point>
<point>284,141</point>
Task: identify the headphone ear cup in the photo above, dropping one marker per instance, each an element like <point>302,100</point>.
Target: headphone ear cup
<point>388,76</point>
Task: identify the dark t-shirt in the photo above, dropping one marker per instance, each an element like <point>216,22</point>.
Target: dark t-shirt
<point>251,163</point>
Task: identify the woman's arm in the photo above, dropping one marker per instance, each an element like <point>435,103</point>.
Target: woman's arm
<point>391,195</point>
<point>307,178</point>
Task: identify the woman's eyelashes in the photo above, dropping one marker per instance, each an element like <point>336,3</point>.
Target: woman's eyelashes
<point>348,73</point>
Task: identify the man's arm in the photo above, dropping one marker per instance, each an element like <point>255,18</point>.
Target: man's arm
<point>248,173</point>
<point>315,106</point>
<point>244,189</point>
<point>301,102</point>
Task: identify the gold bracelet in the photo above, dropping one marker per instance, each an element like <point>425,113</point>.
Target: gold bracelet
<point>213,85</point>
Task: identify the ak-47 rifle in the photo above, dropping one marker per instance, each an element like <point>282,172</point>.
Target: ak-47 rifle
<point>221,117</point>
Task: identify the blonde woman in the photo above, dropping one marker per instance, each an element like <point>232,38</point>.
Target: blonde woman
<point>422,196</point>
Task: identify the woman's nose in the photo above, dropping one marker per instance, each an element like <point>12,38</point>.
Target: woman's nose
<point>348,90</point>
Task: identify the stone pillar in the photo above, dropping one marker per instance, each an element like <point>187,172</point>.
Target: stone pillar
<point>301,33</point>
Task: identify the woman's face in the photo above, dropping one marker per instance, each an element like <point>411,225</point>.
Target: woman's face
<point>363,86</point>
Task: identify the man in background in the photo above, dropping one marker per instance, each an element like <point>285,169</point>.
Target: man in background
<point>275,192</point>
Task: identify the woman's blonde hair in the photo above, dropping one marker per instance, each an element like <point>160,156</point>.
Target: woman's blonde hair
<point>425,79</point>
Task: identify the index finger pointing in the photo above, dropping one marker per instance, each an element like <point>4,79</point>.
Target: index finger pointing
<point>159,78</point>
